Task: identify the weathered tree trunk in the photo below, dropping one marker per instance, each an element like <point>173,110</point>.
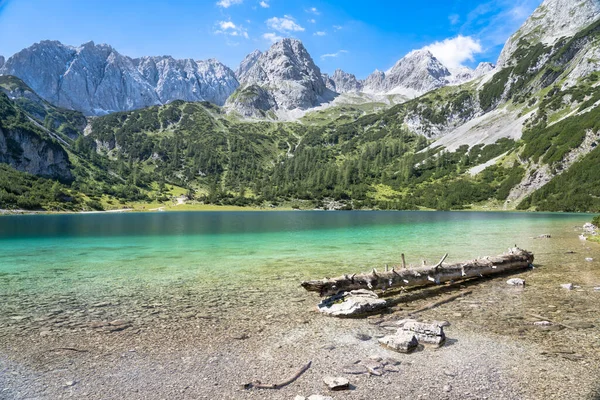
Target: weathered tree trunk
<point>514,259</point>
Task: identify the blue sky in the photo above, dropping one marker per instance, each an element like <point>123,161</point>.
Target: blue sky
<point>356,36</point>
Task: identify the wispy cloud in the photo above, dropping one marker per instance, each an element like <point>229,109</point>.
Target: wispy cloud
<point>334,55</point>
<point>272,37</point>
<point>312,21</point>
<point>453,52</point>
<point>228,28</point>
<point>495,21</point>
<point>337,27</point>
<point>320,33</point>
<point>264,4</point>
<point>284,25</point>
<point>313,10</point>
<point>454,19</point>
<point>228,3</point>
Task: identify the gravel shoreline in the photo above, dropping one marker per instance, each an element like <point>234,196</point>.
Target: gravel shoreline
<point>210,358</point>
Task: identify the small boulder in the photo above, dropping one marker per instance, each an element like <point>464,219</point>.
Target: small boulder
<point>319,397</point>
<point>589,259</point>
<point>336,383</point>
<point>544,236</point>
<point>542,323</point>
<point>516,282</point>
<point>350,304</point>
<point>402,341</point>
<point>568,286</point>
<point>429,333</point>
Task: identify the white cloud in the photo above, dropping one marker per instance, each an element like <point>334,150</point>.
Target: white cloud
<point>337,27</point>
<point>227,25</point>
<point>228,3</point>
<point>334,55</point>
<point>312,21</point>
<point>230,29</point>
<point>264,4</point>
<point>272,37</point>
<point>313,10</point>
<point>454,19</point>
<point>284,25</point>
<point>455,51</point>
<point>320,33</point>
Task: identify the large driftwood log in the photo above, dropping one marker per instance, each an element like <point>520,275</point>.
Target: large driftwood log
<point>514,259</point>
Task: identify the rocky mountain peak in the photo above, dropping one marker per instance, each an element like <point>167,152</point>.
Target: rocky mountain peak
<point>246,64</point>
<point>342,82</point>
<point>552,20</point>
<point>414,74</point>
<point>2,60</point>
<point>283,77</point>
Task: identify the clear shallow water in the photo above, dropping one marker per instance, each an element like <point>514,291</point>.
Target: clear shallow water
<point>136,258</point>
<point>160,247</point>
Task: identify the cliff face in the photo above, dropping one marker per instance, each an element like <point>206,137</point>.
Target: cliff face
<point>28,148</point>
<point>30,153</point>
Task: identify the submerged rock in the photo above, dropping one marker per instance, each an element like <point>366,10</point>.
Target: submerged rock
<point>354,303</point>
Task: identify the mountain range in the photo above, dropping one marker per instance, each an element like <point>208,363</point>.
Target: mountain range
<point>98,80</point>
<point>102,129</point>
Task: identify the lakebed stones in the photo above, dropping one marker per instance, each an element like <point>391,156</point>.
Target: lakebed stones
<point>376,366</point>
<point>351,304</point>
<point>516,282</point>
<point>336,383</point>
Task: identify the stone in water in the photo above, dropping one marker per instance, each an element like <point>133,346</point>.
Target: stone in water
<point>347,304</point>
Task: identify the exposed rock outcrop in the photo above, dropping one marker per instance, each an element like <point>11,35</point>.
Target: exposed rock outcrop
<point>552,20</point>
<point>26,151</point>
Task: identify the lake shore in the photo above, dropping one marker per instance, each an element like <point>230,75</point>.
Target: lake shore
<point>106,310</point>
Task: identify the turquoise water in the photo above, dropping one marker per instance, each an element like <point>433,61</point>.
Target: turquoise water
<point>137,257</point>
<point>171,246</point>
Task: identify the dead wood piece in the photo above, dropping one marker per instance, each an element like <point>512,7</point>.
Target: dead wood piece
<point>259,385</point>
<point>69,349</point>
<point>440,302</point>
<point>514,259</point>
<point>549,320</point>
